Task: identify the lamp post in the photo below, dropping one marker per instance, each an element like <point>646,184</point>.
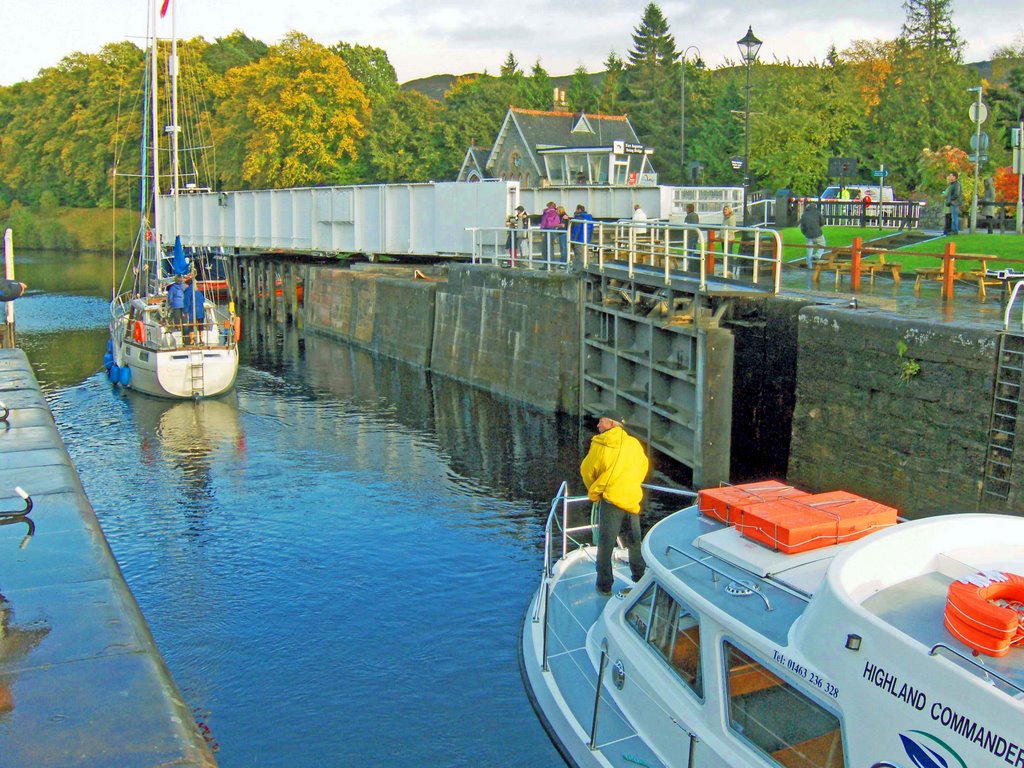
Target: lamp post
<point>749,46</point>
<point>682,107</point>
<point>979,117</point>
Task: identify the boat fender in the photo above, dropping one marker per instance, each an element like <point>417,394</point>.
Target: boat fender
<point>139,332</point>
<point>238,328</point>
<point>114,373</point>
<point>986,611</point>
<point>108,360</point>
<point>125,377</point>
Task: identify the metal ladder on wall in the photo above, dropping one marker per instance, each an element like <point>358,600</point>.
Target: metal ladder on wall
<point>196,372</point>
<point>1007,399</point>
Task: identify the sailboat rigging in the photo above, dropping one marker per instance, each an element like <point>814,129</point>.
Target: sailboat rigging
<point>168,335</point>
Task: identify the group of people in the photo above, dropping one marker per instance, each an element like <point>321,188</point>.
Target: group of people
<point>559,228</point>
<point>953,198</point>
<point>187,304</point>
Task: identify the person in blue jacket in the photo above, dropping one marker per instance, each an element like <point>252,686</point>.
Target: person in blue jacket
<point>580,233</point>
<point>194,308</point>
<point>176,301</point>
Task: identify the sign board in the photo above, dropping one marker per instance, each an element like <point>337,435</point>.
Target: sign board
<point>984,141</point>
<point>842,166</point>
<point>626,148</point>
<point>631,179</point>
<point>1016,135</point>
<point>1018,160</point>
<point>880,174</point>
<point>978,158</point>
<point>978,112</point>
<point>737,163</point>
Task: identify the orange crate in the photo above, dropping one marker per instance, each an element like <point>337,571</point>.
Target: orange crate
<point>814,521</point>
<point>727,502</point>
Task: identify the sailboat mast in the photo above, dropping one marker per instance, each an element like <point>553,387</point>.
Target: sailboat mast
<point>172,66</point>
<point>155,130</point>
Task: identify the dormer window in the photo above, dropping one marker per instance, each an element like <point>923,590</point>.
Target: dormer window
<point>582,125</point>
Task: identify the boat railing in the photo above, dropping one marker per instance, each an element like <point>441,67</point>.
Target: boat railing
<point>1009,305</point>
<point>716,572</point>
<point>975,663</point>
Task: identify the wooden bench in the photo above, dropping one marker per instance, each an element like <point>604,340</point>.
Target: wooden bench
<point>845,267</point>
<point>978,277</point>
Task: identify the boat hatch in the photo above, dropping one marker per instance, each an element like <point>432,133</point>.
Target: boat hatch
<point>803,571</point>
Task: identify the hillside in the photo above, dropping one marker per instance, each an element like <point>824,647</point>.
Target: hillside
<point>436,86</point>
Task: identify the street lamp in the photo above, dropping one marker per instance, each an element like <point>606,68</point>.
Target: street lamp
<point>978,113</point>
<point>682,107</point>
<point>749,46</point>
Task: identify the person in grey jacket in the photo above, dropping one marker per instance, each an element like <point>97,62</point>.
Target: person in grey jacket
<point>954,197</point>
<point>811,223</point>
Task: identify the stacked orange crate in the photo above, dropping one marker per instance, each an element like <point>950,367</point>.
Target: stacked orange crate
<point>727,502</point>
<point>814,521</point>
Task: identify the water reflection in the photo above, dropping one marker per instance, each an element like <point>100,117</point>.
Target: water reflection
<point>16,642</point>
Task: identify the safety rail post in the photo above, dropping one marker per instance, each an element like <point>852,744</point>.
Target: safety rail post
<point>668,253</point>
<point>948,263</point>
<point>710,259</point>
<point>856,250</point>
<point>547,608</point>
<point>597,698</point>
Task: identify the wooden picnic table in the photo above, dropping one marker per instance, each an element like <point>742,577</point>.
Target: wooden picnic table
<point>979,277</point>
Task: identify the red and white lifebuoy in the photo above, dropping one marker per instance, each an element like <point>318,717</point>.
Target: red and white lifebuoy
<point>986,612</point>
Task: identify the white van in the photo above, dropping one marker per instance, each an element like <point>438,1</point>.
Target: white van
<point>859,191</point>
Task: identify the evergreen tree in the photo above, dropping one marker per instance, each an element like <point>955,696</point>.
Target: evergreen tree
<point>929,26</point>
<point>536,91</point>
<point>652,43</point>
<point>582,95</point>
<point>609,101</point>
<point>510,70</point>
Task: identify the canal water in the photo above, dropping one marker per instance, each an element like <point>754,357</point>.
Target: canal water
<point>335,558</point>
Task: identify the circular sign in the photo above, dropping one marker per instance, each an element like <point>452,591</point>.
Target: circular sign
<point>978,112</point>
<point>984,141</point>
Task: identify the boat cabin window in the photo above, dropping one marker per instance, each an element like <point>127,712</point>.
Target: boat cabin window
<point>779,720</point>
<point>672,630</point>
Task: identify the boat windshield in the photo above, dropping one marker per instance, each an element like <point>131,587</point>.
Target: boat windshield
<point>672,630</point>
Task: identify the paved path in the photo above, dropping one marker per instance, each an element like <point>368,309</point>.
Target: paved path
<point>81,680</point>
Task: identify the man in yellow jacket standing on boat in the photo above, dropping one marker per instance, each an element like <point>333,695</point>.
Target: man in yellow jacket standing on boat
<point>613,471</point>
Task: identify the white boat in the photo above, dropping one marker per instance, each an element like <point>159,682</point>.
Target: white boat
<point>149,350</point>
<point>732,653</point>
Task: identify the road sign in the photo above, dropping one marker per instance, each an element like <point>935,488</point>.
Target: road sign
<point>1018,160</point>
<point>1016,134</point>
<point>737,163</point>
<point>842,166</point>
<point>984,141</point>
<point>880,174</point>
<point>978,112</point>
<point>978,158</point>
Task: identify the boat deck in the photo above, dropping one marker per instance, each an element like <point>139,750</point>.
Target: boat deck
<point>575,606</point>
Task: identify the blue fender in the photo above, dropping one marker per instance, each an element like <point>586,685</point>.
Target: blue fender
<point>126,376</point>
<point>108,360</point>
<point>114,372</point>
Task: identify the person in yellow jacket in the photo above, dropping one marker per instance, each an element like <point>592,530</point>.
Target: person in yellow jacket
<point>613,470</point>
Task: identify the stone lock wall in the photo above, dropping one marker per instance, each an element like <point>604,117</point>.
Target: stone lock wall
<point>865,422</point>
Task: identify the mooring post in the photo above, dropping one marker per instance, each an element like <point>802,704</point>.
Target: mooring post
<point>8,340</point>
<point>856,251</point>
<point>711,251</point>
<point>948,263</point>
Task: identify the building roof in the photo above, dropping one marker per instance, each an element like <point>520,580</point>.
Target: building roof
<point>475,160</point>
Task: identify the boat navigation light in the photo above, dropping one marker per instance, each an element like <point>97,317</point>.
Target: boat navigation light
<point>853,642</point>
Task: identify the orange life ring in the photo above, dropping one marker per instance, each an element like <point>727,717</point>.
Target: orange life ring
<point>238,328</point>
<point>987,612</point>
<point>139,332</point>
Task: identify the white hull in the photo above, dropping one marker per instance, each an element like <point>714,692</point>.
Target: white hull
<point>833,658</point>
<point>163,364</point>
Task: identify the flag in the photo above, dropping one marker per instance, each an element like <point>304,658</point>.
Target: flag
<point>163,8</point>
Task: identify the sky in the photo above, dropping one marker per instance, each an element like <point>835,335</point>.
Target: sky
<point>426,37</point>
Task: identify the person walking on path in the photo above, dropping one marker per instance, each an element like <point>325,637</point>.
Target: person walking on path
<point>639,217</point>
<point>613,471</point>
<point>953,196</point>
<point>988,203</point>
<point>728,224</point>
<point>811,223</point>
<point>549,222</point>
<point>580,234</point>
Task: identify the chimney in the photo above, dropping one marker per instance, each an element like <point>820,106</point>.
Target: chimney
<point>559,103</point>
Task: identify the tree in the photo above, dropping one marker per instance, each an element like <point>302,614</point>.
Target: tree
<point>474,110</point>
<point>510,70</point>
<point>929,26</point>
<point>652,43</point>
<point>371,67</point>
<point>536,91</point>
<point>582,95</point>
<point>293,118</point>
<point>609,101</point>
<point>235,50</point>
<point>405,142</point>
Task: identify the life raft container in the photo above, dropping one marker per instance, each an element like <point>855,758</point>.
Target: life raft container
<point>139,332</point>
<point>986,611</point>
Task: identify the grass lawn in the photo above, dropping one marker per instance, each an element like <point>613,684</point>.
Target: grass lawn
<point>1006,248</point>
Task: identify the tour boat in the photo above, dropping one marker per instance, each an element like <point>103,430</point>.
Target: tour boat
<point>149,349</point>
<point>775,627</point>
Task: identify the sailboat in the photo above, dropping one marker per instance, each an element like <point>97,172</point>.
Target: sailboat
<point>186,353</point>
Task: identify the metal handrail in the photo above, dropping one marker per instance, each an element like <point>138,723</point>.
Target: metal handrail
<point>974,662</point>
<point>670,548</point>
<point>1009,305</point>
